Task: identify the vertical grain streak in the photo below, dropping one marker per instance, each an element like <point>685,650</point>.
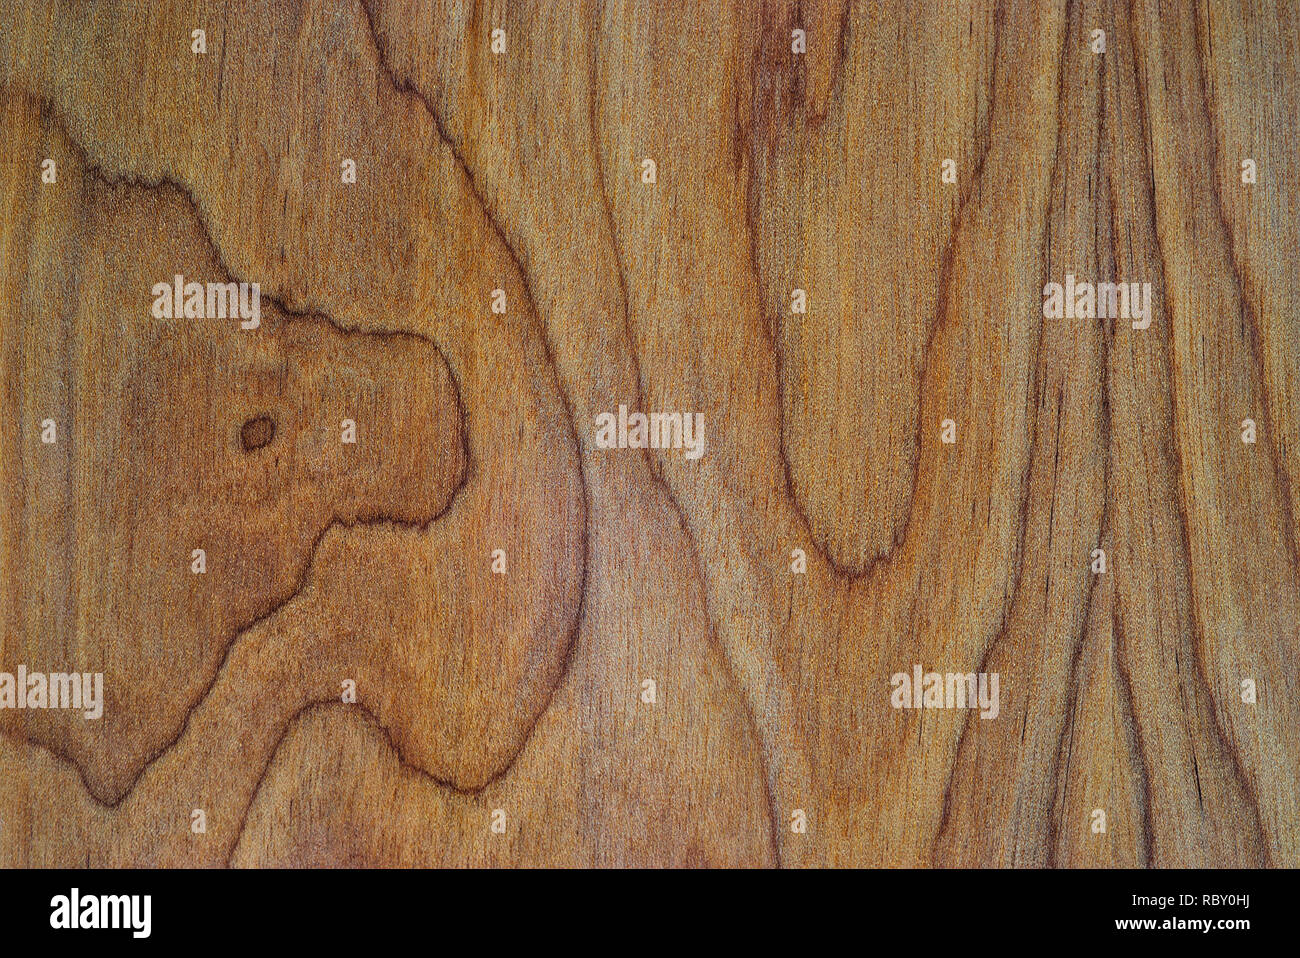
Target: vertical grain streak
<point>656,469</point>
<point>936,324</point>
<point>1174,455</point>
<point>607,209</point>
<point>411,91</point>
<point>1133,733</point>
<point>1254,337</point>
<point>1027,473</point>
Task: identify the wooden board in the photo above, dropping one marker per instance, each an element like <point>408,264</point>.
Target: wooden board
<point>569,654</point>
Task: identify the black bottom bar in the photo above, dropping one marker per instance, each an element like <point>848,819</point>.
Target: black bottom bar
<point>638,909</point>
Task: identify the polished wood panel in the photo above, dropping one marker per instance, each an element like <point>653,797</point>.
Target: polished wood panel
<point>564,653</point>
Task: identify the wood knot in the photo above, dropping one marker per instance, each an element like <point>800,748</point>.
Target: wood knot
<point>257,433</point>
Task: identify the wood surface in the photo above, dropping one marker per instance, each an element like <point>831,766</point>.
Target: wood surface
<point>523,691</point>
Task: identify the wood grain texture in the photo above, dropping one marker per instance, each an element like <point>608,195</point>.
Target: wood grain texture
<point>521,171</point>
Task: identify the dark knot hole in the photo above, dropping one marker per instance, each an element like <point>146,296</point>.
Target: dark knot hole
<point>257,433</point>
